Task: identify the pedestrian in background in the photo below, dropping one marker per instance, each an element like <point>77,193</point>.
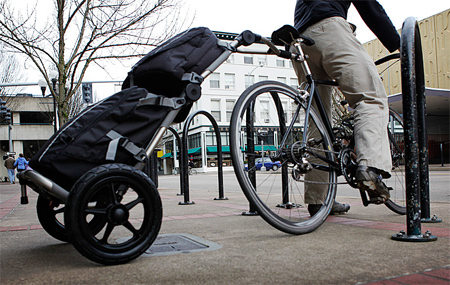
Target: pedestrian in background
<point>9,164</point>
<point>21,163</point>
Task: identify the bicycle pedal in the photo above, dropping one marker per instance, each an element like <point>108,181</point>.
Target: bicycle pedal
<point>364,198</point>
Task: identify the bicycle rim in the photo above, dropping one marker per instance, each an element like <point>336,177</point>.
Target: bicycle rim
<point>280,196</point>
<point>397,201</point>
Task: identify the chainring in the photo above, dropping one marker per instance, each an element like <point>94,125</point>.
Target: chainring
<point>349,165</point>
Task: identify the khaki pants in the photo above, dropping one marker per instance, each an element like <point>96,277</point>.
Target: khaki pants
<point>338,55</point>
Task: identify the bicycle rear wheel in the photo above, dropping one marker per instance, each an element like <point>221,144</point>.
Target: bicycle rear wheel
<point>281,197</point>
<point>397,202</point>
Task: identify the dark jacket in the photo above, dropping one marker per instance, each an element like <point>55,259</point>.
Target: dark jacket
<point>309,12</point>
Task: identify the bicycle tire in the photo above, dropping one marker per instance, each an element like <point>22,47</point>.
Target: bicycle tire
<point>130,204</point>
<point>397,201</point>
<point>268,188</point>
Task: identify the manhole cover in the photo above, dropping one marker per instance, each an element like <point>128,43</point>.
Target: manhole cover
<point>168,244</point>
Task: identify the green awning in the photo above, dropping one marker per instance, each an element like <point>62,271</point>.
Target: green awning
<point>195,150</point>
<point>214,149</point>
<point>169,154</point>
<point>266,148</point>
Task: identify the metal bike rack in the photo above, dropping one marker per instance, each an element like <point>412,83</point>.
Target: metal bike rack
<point>151,168</point>
<point>184,174</point>
<point>416,152</point>
<point>177,137</point>
<point>250,131</point>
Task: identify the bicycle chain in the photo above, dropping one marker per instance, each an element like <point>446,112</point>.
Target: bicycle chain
<point>317,182</point>
<point>322,183</point>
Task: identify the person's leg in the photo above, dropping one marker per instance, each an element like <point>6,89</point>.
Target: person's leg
<point>11,175</point>
<point>315,193</point>
<point>344,59</point>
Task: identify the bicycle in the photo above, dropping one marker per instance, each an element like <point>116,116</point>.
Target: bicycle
<point>192,171</point>
<point>307,145</point>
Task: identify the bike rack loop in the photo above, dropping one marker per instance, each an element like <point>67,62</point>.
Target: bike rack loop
<point>177,137</point>
<point>416,152</point>
<point>184,168</point>
<point>250,131</point>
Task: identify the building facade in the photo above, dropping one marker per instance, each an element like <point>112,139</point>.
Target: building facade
<point>435,36</point>
<point>30,128</point>
<point>219,94</point>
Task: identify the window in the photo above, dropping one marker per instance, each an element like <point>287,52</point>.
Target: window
<point>263,78</point>
<point>215,109</point>
<point>229,81</point>
<point>230,59</point>
<point>212,141</point>
<point>229,105</point>
<point>280,62</point>
<point>262,60</point>
<point>248,59</point>
<point>285,110</point>
<point>214,80</point>
<point>36,118</point>
<point>294,83</point>
<point>267,138</point>
<point>249,80</point>
<point>194,140</point>
<point>281,79</point>
<point>265,111</point>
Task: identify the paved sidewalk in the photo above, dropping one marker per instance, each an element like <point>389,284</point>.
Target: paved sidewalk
<point>347,249</point>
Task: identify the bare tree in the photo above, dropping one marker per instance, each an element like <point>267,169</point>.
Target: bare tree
<point>9,73</point>
<point>85,32</point>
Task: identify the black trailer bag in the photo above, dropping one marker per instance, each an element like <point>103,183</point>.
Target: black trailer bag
<point>168,68</point>
<point>116,129</point>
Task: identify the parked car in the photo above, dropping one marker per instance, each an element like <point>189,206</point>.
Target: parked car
<point>268,163</point>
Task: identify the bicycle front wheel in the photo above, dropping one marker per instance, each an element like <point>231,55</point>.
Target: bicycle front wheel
<point>260,138</point>
<point>397,201</point>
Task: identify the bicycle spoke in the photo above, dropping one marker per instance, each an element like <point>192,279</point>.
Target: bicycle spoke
<point>278,195</point>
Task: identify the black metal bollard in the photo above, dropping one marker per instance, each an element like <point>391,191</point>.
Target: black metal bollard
<point>184,154</point>
<point>415,169</point>
<point>151,168</point>
<point>177,137</point>
<point>250,131</point>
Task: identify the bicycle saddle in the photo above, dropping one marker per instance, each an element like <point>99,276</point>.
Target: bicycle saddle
<point>287,34</point>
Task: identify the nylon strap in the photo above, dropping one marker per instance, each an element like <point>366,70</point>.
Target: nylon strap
<point>128,145</point>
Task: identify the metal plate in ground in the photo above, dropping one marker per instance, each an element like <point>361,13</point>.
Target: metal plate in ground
<point>169,244</point>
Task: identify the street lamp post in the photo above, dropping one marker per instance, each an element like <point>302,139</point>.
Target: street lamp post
<point>43,86</point>
<point>52,74</point>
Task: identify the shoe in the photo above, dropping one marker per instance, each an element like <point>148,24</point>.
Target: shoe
<point>368,179</point>
<point>336,209</point>
<point>339,209</point>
